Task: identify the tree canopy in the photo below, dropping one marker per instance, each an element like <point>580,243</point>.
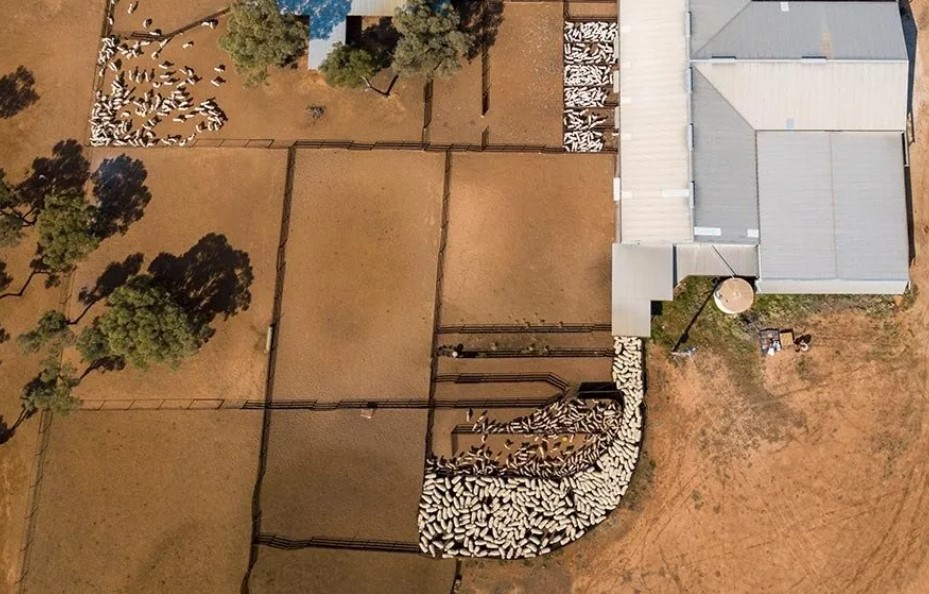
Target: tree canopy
<point>259,37</point>
<point>51,389</point>
<point>65,231</point>
<point>11,221</point>
<point>431,40</point>
<point>142,325</point>
<point>348,66</point>
<point>52,330</point>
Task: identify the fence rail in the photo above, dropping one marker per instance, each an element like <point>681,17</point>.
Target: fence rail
<point>32,499</point>
<point>524,329</point>
<point>382,546</point>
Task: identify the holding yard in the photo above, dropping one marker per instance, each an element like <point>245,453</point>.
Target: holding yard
<point>336,474</point>
<point>529,240</point>
<point>319,570</point>
<point>119,515</point>
<point>212,234</point>
<point>359,286</point>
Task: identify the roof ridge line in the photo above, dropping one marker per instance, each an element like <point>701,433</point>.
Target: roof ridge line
<point>720,30</point>
<point>727,101</point>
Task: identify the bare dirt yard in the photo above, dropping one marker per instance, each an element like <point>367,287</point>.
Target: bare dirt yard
<point>359,286</point>
<point>336,474</point>
<point>318,570</point>
<point>167,15</point>
<point>529,239</point>
<point>526,70</point>
<point>17,315</point>
<point>61,69</point>
<point>210,225</point>
<point>146,502</point>
<point>278,109</point>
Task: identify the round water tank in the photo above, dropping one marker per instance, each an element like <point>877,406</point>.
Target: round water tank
<point>734,295</point>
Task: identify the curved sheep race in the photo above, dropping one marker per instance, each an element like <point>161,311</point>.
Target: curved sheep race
<point>470,508</point>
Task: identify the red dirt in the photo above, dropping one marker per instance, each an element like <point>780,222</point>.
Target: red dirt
<point>526,70</point>
<point>245,207</point>
<point>529,239</point>
<point>337,572</point>
<point>360,280</point>
<point>336,474</point>
<point>119,515</point>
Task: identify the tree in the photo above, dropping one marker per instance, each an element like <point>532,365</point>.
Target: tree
<point>431,40</point>
<point>50,390</point>
<point>348,66</point>
<point>142,325</point>
<point>52,330</point>
<point>65,231</point>
<point>11,220</point>
<point>260,36</point>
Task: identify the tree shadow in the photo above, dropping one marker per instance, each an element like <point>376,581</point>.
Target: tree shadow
<point>5,278</point>
<point>17,92</point>
<point>65,172</point>
<point>114,276</point>
<point>379,40</point>
<point>480,19</point>
<point>210,279</point>
<point>121,194</point>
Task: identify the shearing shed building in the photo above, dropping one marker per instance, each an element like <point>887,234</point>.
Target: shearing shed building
<point>759,139</point>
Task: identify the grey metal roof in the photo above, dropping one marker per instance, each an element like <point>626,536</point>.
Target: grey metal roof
<point>642,271</point>
<point>708,17</point>
<point>641,274</point>
<point>830,287</point>
<point>831,209</point>
<point>800,95</point>
<point>725,194</point>
<point>707,259</point>
<point>834,30</point>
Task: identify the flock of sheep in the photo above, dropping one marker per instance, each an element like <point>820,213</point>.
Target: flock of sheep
<point>589,61</point>
<point>466,511</point>
<point>143,96</point>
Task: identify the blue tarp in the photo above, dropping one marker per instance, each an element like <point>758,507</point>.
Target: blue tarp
<point>325,15</point>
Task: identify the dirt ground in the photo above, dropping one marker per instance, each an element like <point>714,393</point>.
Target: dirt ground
<point>359,286</point>
<point>529,239</point>
<point>526,69</point>
<point>176,517</point>
<point>63,73</point>
<point>310,571</point>
<point>235,193</point>
<point>336,474</point>
<point>17,315</point>
<point>167,15</point>
<point>350,114</point>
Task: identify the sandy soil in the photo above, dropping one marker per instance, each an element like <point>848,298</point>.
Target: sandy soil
<point>119,515</point>
<point>526,70</point>
<point>311,571</point>
<point>359,288</point>
<point>237,194</point>
<point>604,10</point>
<point>456,107</point>
<point>336,474</point>
<point>529,239</point>
<point>350,114</point>
<point>167,15</point>
<point>63,73</point>
<point>17,315</point>
<point>573,370</point>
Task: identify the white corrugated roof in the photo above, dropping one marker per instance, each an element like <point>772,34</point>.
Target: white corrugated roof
<point>798,95</point>
<point>654,116</point>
